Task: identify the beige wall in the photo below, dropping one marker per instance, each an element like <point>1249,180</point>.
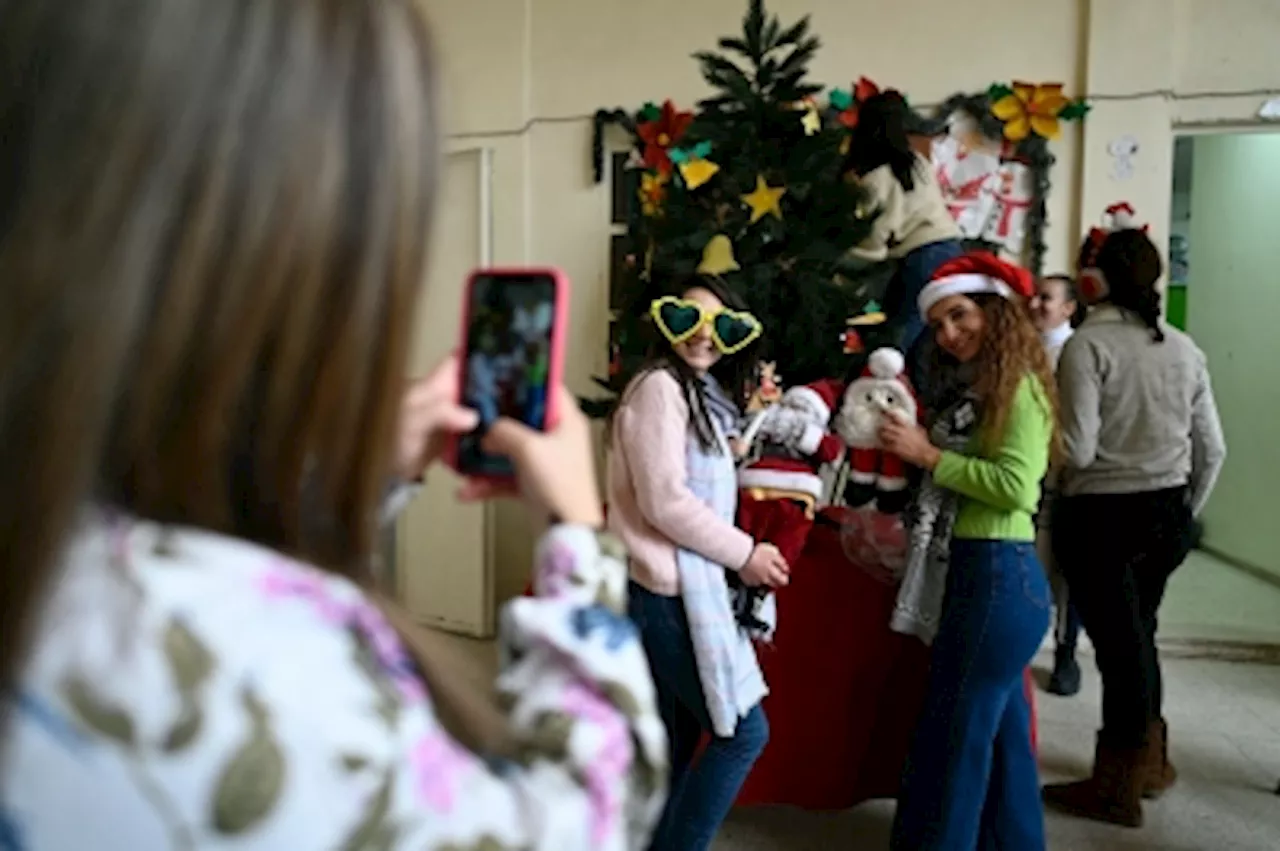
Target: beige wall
<point>523,77</point>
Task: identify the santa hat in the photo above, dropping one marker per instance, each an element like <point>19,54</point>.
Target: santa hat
<point>976,273</point>
<point>822,395</point>
<point>1093,282</point>
<point>885,363</point>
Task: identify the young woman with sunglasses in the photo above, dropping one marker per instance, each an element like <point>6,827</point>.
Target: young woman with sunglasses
<point>672,499</point>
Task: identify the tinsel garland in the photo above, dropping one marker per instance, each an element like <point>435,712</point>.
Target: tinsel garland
<point>603,119</point>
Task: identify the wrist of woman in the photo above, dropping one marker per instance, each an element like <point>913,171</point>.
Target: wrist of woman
<point>932,458</point>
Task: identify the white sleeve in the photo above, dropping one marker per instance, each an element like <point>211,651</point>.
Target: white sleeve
<point>278,710</point>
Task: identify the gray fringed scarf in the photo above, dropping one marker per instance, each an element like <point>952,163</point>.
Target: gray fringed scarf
<point>930,520</point>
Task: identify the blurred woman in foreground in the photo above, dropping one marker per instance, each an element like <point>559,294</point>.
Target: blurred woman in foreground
<point>212,225</point>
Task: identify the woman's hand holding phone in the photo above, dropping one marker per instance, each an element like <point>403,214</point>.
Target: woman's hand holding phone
<point>430,417</point>
<point>555,469</point>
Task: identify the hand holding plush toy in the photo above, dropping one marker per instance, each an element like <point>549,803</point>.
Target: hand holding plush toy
<point>880,395</point>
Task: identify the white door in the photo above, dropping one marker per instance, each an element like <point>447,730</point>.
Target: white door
<point>443,564</point>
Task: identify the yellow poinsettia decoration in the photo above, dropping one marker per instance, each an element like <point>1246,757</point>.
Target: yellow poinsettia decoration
<point>653,191</point>
<point>1026,108</point>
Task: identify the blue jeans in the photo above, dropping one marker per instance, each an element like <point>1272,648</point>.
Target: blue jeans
<point>703,793</point>
<point>971,780</point>
<point>915,270</point>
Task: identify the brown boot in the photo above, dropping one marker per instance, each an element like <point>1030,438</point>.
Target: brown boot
<point>1161,775</point>
<point>1113,794</point>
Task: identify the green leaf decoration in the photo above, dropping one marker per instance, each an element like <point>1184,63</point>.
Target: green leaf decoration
<point>621,698</point>
<point>165,545</point>
<point>1075,110</point>
<point>506,701</point>
<point>609,600</point>
<point>185,730</point>
<point>679,155</point>
<point>549,738</point>
<point>372,831</point>
<point>611,547</point>
<point>648,775</point>
<point>354,763</point>
<point>872,306</point>
<point>252,781</point>
<point>485,843</point>
<point>650,112</point>
<point>702,150</point>
<point>388,704</point>
<point>97,715</point>
<point>840,99</point>
<point>189,660</point>
<point>998,91</point>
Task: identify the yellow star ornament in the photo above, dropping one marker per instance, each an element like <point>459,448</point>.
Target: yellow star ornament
<point>764,200</point>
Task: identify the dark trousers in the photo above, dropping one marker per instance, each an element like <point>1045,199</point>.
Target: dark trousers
<point>1069,629</point>
<point>1117,552</point>
<point>971,779</point>
<point>701,793</point>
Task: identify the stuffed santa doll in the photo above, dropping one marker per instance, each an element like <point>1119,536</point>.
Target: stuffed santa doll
<point>881,391</point>
<point>782,489</point>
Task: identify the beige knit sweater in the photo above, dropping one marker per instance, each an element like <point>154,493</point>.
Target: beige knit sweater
<point>907,220</point>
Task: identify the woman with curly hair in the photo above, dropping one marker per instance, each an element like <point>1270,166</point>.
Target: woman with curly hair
<point>971,779</point>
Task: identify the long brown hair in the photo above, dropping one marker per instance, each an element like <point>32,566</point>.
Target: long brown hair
<point>213,217</point>
<point>1012,349</point>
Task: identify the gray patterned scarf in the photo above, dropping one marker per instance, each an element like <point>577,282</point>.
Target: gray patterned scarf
<point>930,519</point>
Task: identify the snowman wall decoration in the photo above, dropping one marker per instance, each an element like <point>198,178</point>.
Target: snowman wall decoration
<point>881,391</point>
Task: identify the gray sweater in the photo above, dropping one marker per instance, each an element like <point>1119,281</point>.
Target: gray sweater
<point>1137,415</point>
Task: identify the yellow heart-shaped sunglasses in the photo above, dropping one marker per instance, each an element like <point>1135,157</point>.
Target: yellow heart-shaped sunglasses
<point>679,319</point>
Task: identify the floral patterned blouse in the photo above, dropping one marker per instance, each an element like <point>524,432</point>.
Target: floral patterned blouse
<point>190,691</point>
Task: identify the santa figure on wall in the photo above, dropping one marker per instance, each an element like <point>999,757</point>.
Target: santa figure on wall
<point>1014,196</point>
<point>881,391</point>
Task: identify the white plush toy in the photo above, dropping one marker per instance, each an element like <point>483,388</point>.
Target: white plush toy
<point>881,391</point>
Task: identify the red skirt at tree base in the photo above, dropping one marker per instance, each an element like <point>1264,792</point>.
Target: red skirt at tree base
<point>845,691</point>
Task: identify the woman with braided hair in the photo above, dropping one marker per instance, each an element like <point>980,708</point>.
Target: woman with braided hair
<point>1144,446</point>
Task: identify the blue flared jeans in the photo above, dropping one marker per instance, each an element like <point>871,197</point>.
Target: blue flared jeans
<point>971,780</point>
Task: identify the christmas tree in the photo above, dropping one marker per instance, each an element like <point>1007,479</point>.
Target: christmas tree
<point>750,187</point>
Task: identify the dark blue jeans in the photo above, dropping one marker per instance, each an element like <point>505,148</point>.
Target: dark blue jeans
<point>915,270</point>
<point>703,793</point>
<point>971,780</point>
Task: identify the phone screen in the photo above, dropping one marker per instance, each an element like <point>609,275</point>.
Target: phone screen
<point>508,360</point>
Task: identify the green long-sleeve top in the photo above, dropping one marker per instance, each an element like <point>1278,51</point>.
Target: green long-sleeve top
<point>1000,487</point>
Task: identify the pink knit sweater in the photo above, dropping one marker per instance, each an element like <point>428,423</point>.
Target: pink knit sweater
<point>650,507</point>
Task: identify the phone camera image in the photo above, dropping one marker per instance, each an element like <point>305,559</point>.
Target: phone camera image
<point>508,361</point>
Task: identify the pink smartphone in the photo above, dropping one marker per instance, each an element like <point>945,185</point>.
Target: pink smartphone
<point>512,357</point>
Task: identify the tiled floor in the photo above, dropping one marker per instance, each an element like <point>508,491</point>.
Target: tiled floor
<point>1225,730</point>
